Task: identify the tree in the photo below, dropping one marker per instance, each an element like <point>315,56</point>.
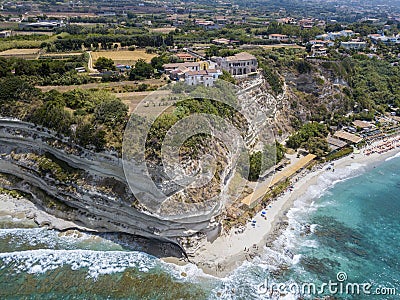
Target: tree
<point>53,115</point>
<point>157,62</point>
<point>15,89</point>
<point>77,98</point>
<point>141,70</point>
<point>303,66</point>
<point>5,68</point>
<point>312,136</point>
<point>317,146</point>
<point>86,135</point>
<point>255,165</point>
<point>111,112</point>
<point>227,77</point>
<point>212,51</point>
<point>103,63</point>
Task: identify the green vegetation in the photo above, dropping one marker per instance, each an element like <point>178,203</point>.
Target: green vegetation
<point>111,112</point>
<point>46,165</point>
<point>339,154</point>
<point>46,71</point>
<point>92,118</point>
<point>277,190</point>
<point>227,77</point>
<point>183,109</point>
<point>262,161</point>
<point>103,63</point>
<point>12,193</point>
<point>312,137</point>
<point>375,84</point>
<point>142,70</point>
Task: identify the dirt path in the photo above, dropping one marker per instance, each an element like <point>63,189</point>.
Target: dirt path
<point>90,64</point>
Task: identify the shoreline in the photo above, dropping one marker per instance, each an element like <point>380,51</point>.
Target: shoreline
<point>227,252</point>
<point>24,212</point>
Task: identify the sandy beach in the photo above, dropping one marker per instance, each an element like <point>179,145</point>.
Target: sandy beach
<point>26,214</point>
<point>229,251</point>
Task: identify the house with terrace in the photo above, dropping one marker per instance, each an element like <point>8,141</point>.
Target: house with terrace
<point>240,64</point>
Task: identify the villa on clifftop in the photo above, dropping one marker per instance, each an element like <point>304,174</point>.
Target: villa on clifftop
<point>240,64</point>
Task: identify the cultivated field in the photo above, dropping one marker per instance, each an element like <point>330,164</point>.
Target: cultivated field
<point>61,55</point>
<point>22,53</point>
<point>155,104</point>
<point>163,29</point>
<point>294,46</point>
<point>48,33</point>
<point>124,56</point>
<point>8,25</point>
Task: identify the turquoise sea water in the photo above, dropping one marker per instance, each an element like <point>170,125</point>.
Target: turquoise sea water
<point>348,223</point>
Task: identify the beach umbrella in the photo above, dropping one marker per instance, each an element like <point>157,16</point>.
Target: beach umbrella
<point>254,221</point>
<point>263,212</point>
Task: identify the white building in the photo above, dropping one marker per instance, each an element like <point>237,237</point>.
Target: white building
<point>239,64</point>
<point>318,50</point>
<point>326,43</point>
<point>177,71</point>
<point>375,38</point>
<point>278,37</point>
<point>5,33</point>
<point>204,77</point>
<point>353,45</point>
<point>335,35</point>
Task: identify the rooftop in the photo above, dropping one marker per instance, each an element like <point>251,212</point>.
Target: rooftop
<point>336,142</point>
<point>347,136</point>
<point>184,55</point>
<point>361,124</point>
<point>241,56</point>
<point>177,65</point>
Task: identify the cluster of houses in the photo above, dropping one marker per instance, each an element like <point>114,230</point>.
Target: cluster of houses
<point>193,73</point>
<point>303,23</point>
<point>331,36</point>
<point>376,38</point>
<point>322,42</point>
<point>203,72</point>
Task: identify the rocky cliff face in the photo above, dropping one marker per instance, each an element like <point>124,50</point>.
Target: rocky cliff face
<point>90,188</point>
<point>316,94</point>
<point>75,184</point>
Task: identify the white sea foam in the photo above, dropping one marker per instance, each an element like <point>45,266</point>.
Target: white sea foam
<point>313,227</point>
<point>392,157</point>
<point>96,262</point>
<point>311,244</point>
<point>193,273</point>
